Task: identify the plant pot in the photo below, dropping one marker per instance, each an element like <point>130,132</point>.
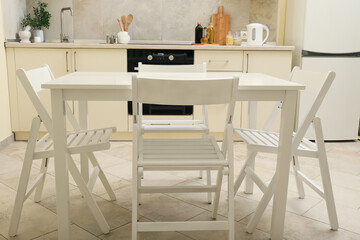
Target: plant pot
<point>25,36</point>
<point>39,33</point>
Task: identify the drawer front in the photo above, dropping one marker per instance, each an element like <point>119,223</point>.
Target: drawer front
<point>221,60</point>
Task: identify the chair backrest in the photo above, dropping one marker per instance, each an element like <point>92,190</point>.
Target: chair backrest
<point>171,68</point>
<point>31,81</point>
<point>175,68</point>
<point>320,82</point>
<point>184,91</point>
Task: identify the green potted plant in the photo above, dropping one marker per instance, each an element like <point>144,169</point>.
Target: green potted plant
<point>40,20</point>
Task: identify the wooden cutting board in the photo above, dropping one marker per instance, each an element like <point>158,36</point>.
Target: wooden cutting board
<point>221,23</point>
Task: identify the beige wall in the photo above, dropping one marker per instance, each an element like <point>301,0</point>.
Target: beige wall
<point>54,8</point>
<point>13,11</point>
<point>294,28</point>
<point>157,19</point>
<point>5,126</point>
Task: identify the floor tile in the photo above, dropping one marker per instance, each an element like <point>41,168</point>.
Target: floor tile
<point>240,232</point>
<point>123,195</point>
<point>9,164</point>
<point>11,179</point>
<point>159,207</point>
<point>302,228</point>
<point>76,233</point>
<point>15,150</point>
<point>344,180</point>
<point>35,219</point>
<point>243,206</point>
<point>124,233</point>
<point>349,219</point>
<point>115,215</point>
<point>123,171</point>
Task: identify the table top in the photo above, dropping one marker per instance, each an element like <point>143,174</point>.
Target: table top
<point>122,80</point>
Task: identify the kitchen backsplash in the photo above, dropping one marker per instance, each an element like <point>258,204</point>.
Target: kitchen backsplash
<point>155,19</point>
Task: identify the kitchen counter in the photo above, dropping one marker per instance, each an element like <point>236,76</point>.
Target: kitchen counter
<point>143,46</point>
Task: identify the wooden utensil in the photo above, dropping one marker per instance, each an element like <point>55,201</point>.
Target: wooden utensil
<point>221,23</point>
<point>121,27</point>
<point>123,20</point>
<point>129,19</point>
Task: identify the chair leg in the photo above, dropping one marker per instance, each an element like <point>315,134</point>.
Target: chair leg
<point>24,177</point>
<point>40,186</point>
<point>231,208</point>
<point>250,159</point>
<point>135,205</point>
<point>138,187</point>
<point>325,175</point>
<point>260,209</point>
<point>231,203</point>
<point>249,183</point>
<point>200,174</point>
<point>219,178</point>
<point>299,182</point>
<point>94,208</point>
<point>102,176</point>
<point>135,184</point>
<point>208,182</point>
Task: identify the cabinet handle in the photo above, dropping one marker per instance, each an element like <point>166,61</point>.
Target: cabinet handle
<point>75,62</point>
<point>67,61</point>
<point>247,63</point>
<point>224,61</point>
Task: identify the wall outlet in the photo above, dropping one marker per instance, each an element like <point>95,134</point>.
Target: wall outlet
<point>243,34</point>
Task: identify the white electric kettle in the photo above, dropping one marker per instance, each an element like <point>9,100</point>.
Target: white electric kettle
<point>255,34</point>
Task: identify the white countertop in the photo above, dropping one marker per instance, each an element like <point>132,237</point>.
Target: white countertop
<point>139,46</point>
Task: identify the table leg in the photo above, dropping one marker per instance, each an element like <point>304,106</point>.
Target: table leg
<point>283,165</point>
<point>83,122</point>
<point>252,119</point>
<point>61,164</point>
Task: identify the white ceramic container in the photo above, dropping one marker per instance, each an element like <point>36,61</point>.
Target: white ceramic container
<point>123,37</point>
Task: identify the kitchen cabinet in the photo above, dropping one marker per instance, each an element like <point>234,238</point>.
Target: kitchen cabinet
<point>103,114</point>
<point>274,63</point>
<point>227,61</point>
<point>22,110</point>
<point>61,62</point>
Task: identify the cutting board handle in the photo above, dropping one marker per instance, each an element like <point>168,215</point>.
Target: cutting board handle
<point>221,10</point>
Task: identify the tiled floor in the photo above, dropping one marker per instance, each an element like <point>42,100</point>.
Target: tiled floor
<point>305,218</point>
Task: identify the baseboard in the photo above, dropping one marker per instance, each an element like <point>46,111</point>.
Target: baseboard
<point>6,141</point>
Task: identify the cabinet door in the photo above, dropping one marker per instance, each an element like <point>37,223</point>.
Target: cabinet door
<point>29,58</point>
<point>226,61</point>
<point>103,114</point>
<point>274,63</point>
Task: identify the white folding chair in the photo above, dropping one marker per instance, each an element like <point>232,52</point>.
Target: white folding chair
<point>79,141</point>
<point>267,141</point>
<point>202,153</point>
<point>187,126</point>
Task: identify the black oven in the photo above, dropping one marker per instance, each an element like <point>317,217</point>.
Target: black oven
<point>161,57</point>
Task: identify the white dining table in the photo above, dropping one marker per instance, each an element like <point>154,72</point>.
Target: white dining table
<point>116,86</point>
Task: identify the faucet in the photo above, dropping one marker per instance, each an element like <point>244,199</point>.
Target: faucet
<point>63,37</point>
